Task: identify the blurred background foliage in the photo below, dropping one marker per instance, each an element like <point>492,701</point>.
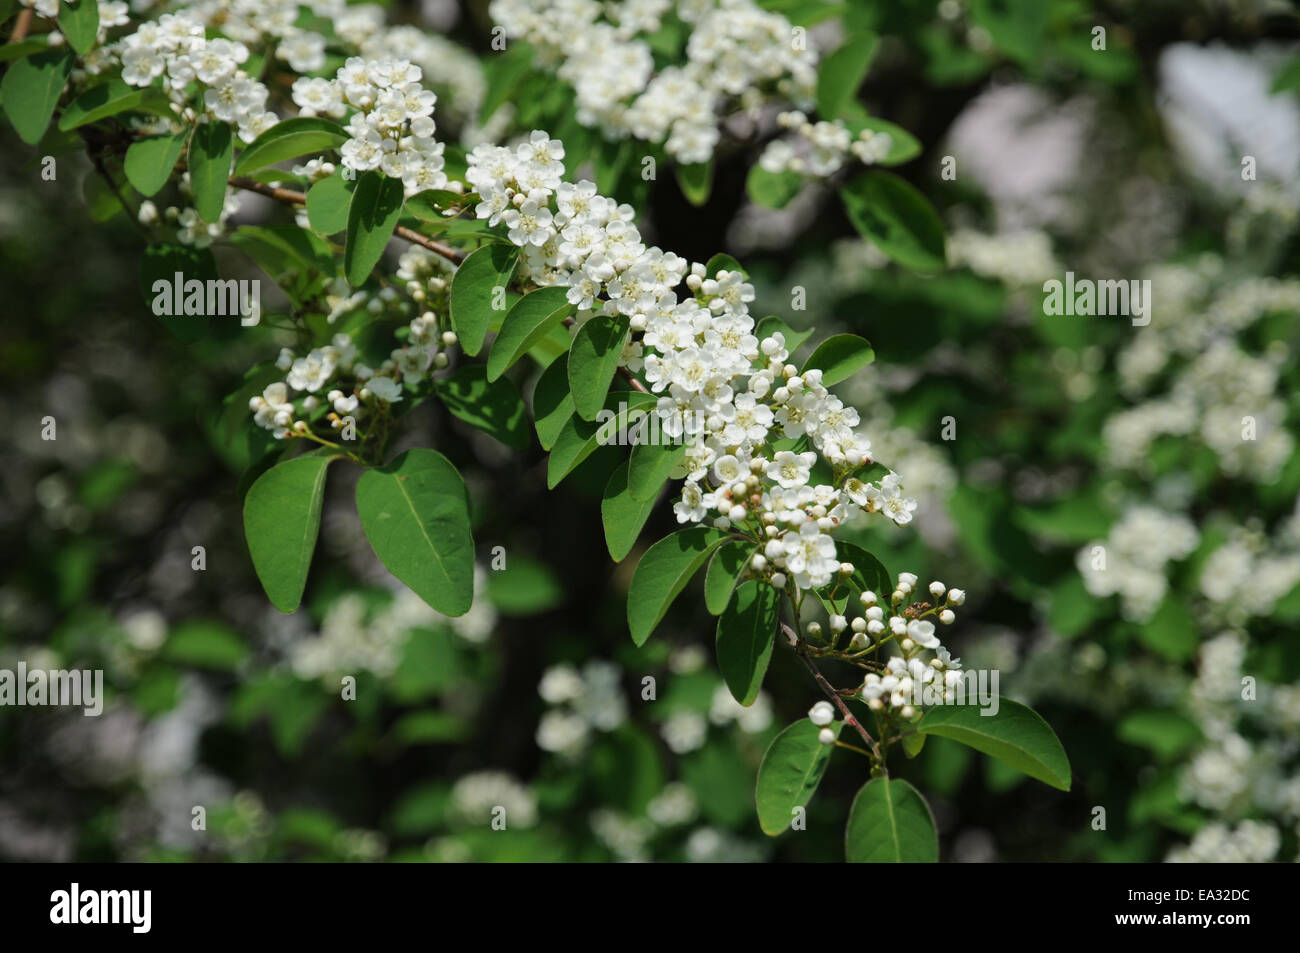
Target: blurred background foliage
<point>1124,163</point>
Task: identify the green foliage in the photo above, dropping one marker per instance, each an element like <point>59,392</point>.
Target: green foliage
<point>415,513</point>
<point>890,823</point>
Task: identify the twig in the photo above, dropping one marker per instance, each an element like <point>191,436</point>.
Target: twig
<point>21,26</point>
<point>290,197</point>
<point>831,693</point>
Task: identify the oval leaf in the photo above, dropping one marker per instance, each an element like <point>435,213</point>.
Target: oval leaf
<point>745,637</point>
<point>841,73</point>
<point>415,513</point>
<point>840,357</point>
<point>897,219</point>
<point>663,572</point>
<point>890,823</point>
<point>372,215</point>
<point>724,569</point>
<point>149,162</point>
<point>622,516</point>
<point>328,202</point>
<point>788,776</point>
<point>1016,735</point>
<point>212,149</point>
<point>473,295</point>
<point>281,521</point>
<point>531,318</point>
<point>30,90</point>
<point>107,99</point>
<point>593,362</point>
<point>289,139</point>
<point>650,466</point>
<point>552,403</point>
<point>494,407</point>
<point>79,21</point>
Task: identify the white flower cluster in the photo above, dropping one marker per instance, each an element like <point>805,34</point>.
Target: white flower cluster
<point>1215,384</point>
<point>1131,561</point>
<point>1250,842</point>
<point>357,636</point>
<point>736,52</point>
<point>361,389</point>
<point>821,149</point>
<point>723,391</point>
<point>1247,575</point>
<point>392,128</point>
<point>1228,774</point>
<point>175,48</point>
<point>475,797</point>
<point>1226,398</point>
<point>1019,259</point>
<point>585,701</point>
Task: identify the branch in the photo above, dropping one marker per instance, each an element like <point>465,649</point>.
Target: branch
<point>831,693</point>
<point>21,26</point>
<point>290,197</point>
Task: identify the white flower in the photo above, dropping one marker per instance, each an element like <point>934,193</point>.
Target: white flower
<point>821,714</point>
<point>385,388</point>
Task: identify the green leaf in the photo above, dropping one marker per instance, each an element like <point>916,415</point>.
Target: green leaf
<point>772,324</point>
<point>149,162</point>
<point>159,267</point>
<point>289,139</point>
<point>31,89</point>
<point>623,517</point>
<point>211,151</point>
<point>578,439</point>
<point>1288,77</point>
<point>869,574</point>
<point>650,466</point>
<point>789,773</point>
<point>494,407</point>
<point>1172,631</point>
<point>530,320</point>
<point>472,294</point>
<point>552,403</point>
<point>328,202</point>
<point>205,644</point>
<point>773,189</point>
<point>106,99</point>
<point>13,51</point>
<point>431,205</point>
<point>1016,734</point>
<point>890,822</point>
<point>415,512</point>
<point>1167,733</point>
<point>593,362</point>
<point>897,219</point>
<point>746,635</point>
<point>663,572</point>
<point>839,357</point>
<point>372,215</point>
<point>724,570</point>
<point>79,21</point>
<point>281,521</point>
<point>525,587</point>
<point>841,73</point>
<point>503,72</point>
<point>723,262</point>
<point>903,147</point>
<point>696,181</point>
